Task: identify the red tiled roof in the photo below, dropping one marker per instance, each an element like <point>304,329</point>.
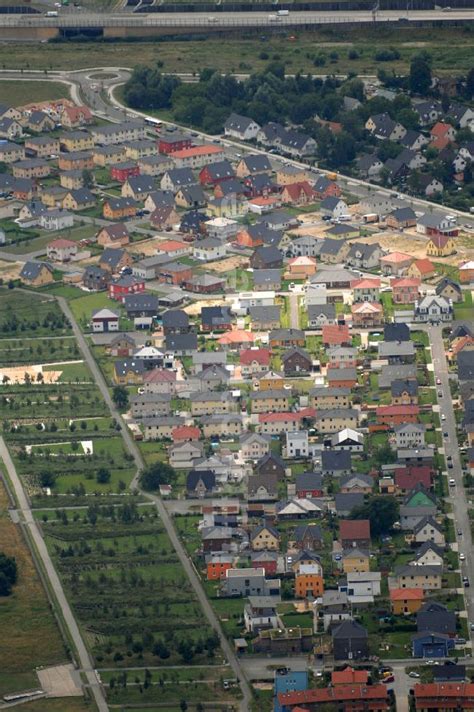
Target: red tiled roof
<point>349,676</point>
<point>406,594</point>
<point>425,266</point>
<point>406,281</point>
<point>407,477</point>
<point>365,284</point>
<point>294,189</point>
<point>335,333</point>
<point>354,529</point>
<point>435,690</point>
<point>159,375</point>
<point>261,356</point>
<point>340,693</point>
<point>75,112</point>
<point>394,257</point>
<point>397,410</point>
<point>440,129</point>
<point>171,245</point>
<point>196,151</point>
<point>185,432</point>
<point>62,242</point>
<point>278,417</point>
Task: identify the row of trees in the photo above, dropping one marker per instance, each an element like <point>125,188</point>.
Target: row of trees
<point>8,574</point>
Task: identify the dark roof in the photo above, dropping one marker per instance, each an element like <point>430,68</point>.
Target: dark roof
<point>115,231</point>
<point>215,316</point>
<point>207,477</point>
<point>111,256</point>
<point>181,342</point>
<point>256,162</point>
<point>349,629</point>
<point>296,351</point>
<point>268,254</point>
<point>435,617</point>
<point>237,122</point>
<point>161,198</point>
<point>141,184</point>
<point>139,302</point>
<point>303,531</point>
<point>272,458</point>
<point>396,332</point>
<point>31,270</point>
<point>309,480</point>
<point>446,282</point>
<point>402,214</point>
<point>347,501</point>
<point>449,673</point>
<point>465,363</point>
<point>399,386</point>
<point>336,460</point>
<point>220,170</point>
<point>266,276</point>
<point>123,366</point>
<point>315,310</point>
<point>181,176</point>
<point>265,313</point>
<point>176,318</point>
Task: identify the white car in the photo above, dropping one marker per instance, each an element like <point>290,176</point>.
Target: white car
<point>452,482</point>
<point>462,557</point>
<point>443,417</point>
<point>413,674</point>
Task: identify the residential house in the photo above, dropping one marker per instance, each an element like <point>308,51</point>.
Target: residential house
<point>406,601</point>
<point>332,420</point>
<point>336,335</point>
<point>449,290</point>
<point>249,582</point>
<point>433,645</point>
<point>404,392</point>
<point>348,439</point>
<point>440,246</point>
<point>262,487</point>
<point>209,249</point>
<point>401,218</point>
<point>200,483</point>
<point>266,257</point>
<point>367,314</point>
<point>428,578</point>
<point>355,560</point>
<point>296,361</point>
<point>119,208</point>
<point>138,187</point>
<point>364,256</point>
<point>320,314</point>
<point>266,280</point>
<point>254,361</point>
<point>309,582</point>
<point>253,446</point>
<point>395,263</point>
<point>434,617</point>
<point>409,435</point>
<point>171,142</point>
<point>61,250</point>
<point>128,372</point>
<point>96,279</point>
<point>113,260</point>
<point>271,464</point>
<point>356,484</point>
<point>73,141</point>
<point>264,318</point>
<point>405,290</point>
<point>428,530</point>
<point>333,250</point>
<point>354,533</point>
<point>342,377</point>
<point>241,127</point>
<point>433,309</point>
<point>350,641</point>
<point>36,274</point>
<point>115,235</point>
<point>336,463</point>
<point>284,338</point>
<point>122,287</point>
<point>217,565</point>
<point>308,484</point>
<point>265,537</point>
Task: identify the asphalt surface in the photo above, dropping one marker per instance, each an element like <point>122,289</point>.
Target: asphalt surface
<point>213,21</point>
<point>164,515</point>
<point>84,659</point>
<point>457,494</point>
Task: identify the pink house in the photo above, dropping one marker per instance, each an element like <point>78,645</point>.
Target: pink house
<point>405,290</point>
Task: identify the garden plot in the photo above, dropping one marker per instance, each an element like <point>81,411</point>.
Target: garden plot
<point>69,448</point>
<point>127,588</point>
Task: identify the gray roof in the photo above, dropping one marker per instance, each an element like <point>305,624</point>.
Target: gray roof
<point>265,313</point>
<point>336,460</point>
<point>266,276</point>
<point>31,270</point>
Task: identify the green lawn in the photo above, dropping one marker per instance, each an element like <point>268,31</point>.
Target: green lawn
<point>17,93</point>
<point>82,307</point>
<point>464,310</point>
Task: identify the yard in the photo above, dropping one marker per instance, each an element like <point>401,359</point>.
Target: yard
<point>127,588</point>
<point>20,313</point>
<point>19,93</point>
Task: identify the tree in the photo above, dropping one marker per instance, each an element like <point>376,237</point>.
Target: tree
<point>120,397</point>
<point>87,178</point>
<point>102,476</point>
<point>183,705</point>
<point>160,473</point>
<point>8,574</point>
<point>47,478</point>
<point>382,512</point>
<point>420,74</point>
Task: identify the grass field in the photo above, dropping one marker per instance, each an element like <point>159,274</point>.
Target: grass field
<point>451,49</point>
<point>31,316</point>
<point>71,704</point>
<point>25,618</point>
<point>17,93</point>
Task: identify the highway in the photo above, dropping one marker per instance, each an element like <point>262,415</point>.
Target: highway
<point>229,20</point>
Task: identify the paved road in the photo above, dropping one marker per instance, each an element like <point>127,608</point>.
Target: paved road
<point>83,655</point>
<point>457,495</point>
<point>294,311</point>
<point>207,21</point>
<point>165,517</point>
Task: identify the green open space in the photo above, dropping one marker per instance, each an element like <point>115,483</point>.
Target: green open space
<point>25,617</point>
<point>25,241</point>
<point>127,588</point>
<point>37,350</point>
<point>17,93</point>
<point>451,49</point>
<point>20,314</point>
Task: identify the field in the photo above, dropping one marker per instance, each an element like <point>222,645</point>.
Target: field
<point>20,313</point>
<point>25,618</point>
<point>72,704</point>
<point>17,93</point>
<point>41,350</point>
<point>127,588</point>
<point>451,49</point>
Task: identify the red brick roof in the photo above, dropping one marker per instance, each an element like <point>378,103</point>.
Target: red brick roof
<point>261,356</point>
<point>185,432</point>
<point>440,690</point>
<point>426,266</point>
<point>406,281</point>
<point>354,529</point>
<point>294,189</point>
<point>397,410</point>
<point>340,693</point>
<point>407,477</point>
<point>407,594</point>
<point>349,676</point>
<point>335,334</point>
<point>159,375</point>
<point>196,151</point>
<point>76,112</point>
<point>278,417</point>
<point>62,242</point>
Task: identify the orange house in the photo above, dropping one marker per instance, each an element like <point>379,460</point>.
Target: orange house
<point>217,565</point>
<point>301,267</point>
<point>249,237</point>
<point>406,600</point>
<point>119,208</point>
<point>298,193</point>
<point>309,582</point>
<point>466,272</point>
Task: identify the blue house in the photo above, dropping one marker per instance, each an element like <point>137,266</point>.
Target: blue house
<point>288,681</point>
<point>431,645</point>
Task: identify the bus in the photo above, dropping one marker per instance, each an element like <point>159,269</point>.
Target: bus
<point>156,123</point>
